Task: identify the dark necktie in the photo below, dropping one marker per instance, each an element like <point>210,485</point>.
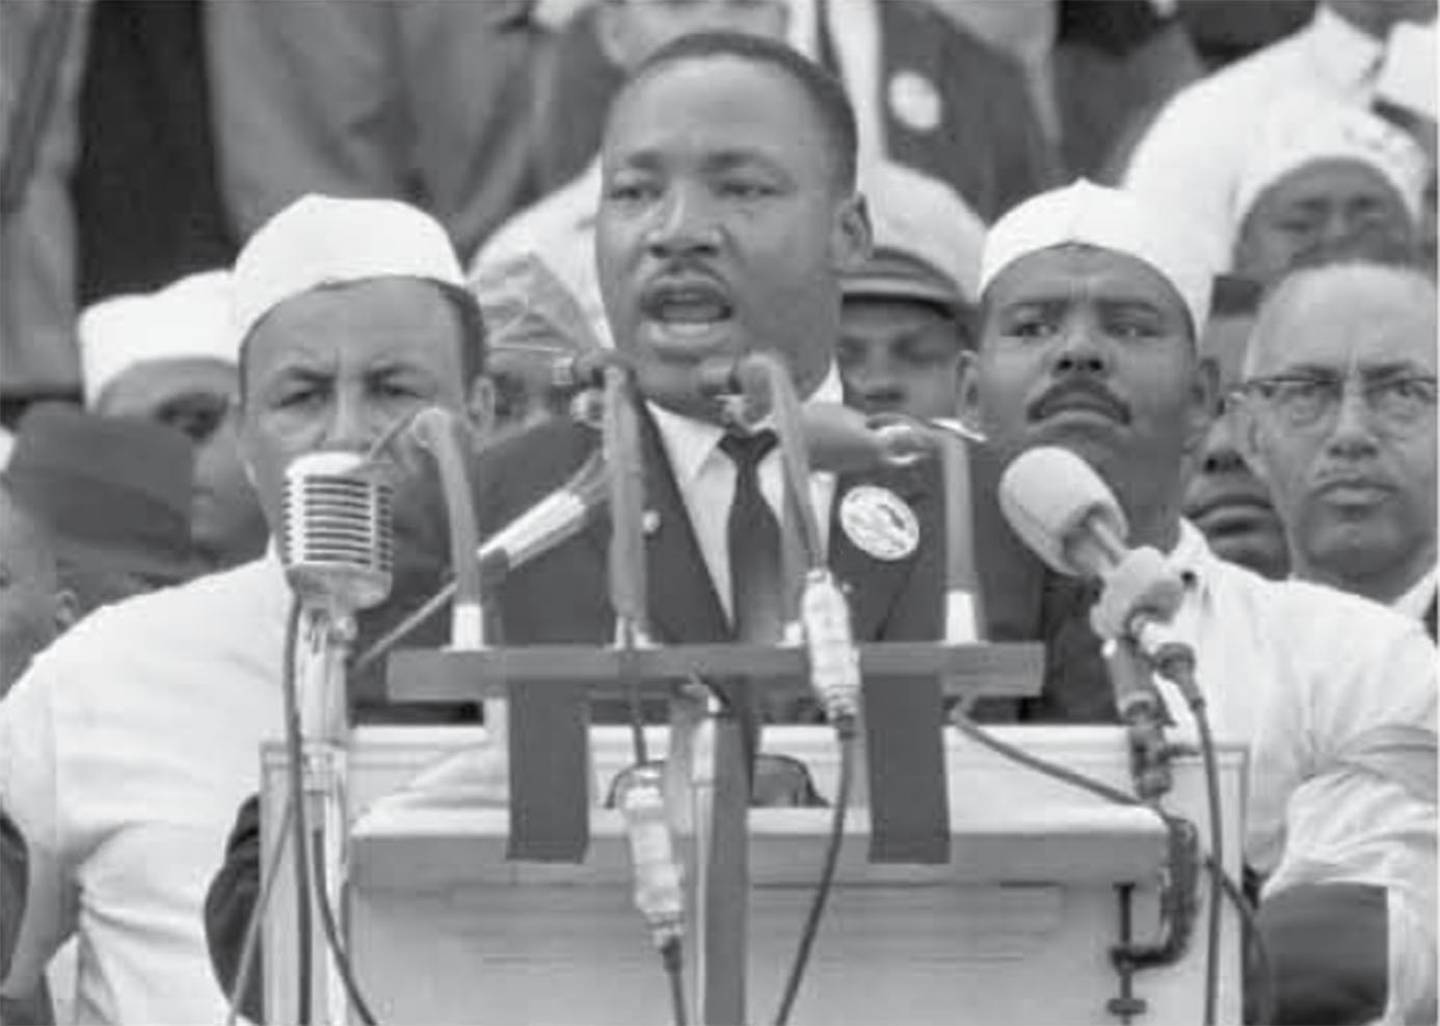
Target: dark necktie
<point>753,533</point>
<point>1077,685</point>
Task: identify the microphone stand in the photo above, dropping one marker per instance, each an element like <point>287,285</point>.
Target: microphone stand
<point>324,640</point>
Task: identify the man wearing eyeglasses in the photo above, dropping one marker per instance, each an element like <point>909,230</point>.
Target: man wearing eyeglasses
<point>1338,416</point>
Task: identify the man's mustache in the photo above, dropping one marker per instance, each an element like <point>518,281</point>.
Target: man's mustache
<point>1081,393</point>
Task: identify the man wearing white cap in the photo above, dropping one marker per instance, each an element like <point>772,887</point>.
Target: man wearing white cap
<point>1091,306</point>
<point>127,746</point>
<point>1354,481</point>
<point>1191,158</point>
<point>1327,181</point>
<point>170,356</point>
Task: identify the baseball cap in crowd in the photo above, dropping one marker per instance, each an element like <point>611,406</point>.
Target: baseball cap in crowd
<point>1094,215</point>
<point>189,319</point>
<point>320,241</point>
<point>927,241</point>
<point>114,492</point>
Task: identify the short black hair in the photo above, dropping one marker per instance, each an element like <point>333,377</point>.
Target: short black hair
<point>822,89</point>
<point>474,338</point>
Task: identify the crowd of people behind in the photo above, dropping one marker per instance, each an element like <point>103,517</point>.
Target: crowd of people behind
<point>1205,229</point>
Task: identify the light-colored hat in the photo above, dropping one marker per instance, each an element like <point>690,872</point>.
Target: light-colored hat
<point>1088,214</point>
<point>1407,77</point>
<point>322,240</point>
<point>926,220</point>
<point>1305,129</point>
<point>185,320</point>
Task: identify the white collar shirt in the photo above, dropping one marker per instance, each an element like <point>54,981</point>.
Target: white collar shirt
<point>1191,158</point>
<point>1335,697</point>
<point>125,751</point>
<point>705,477</point>
<point>1416,602</point>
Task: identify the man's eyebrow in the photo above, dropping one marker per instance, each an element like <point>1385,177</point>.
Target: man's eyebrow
<point>1392,369</point>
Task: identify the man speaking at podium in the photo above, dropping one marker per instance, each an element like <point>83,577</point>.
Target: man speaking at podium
<point>1091,307</point>
<point>728,215</point>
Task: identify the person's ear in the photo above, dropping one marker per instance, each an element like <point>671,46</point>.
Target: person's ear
<point>1203,399</point>
<point>480,408</point>
<point>968,391</point>
<point>852,235</point>
<point>66,611</point>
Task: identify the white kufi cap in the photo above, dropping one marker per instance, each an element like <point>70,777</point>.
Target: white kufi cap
<point>188,319</point>
<point>321,240</point>
<point>1304,130</point>
<point>1087,214</point>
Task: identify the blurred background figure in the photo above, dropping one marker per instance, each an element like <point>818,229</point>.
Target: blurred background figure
<point>1405,95</point>
<point>113,494</point>
<point>1224,498</point>
<point>907,313</point>
<point>1339,419</point>
<point>1327,181</point>
<point>1191,158</point>
<point>170,356</point>
<point>431,103</point>
<point>531,320</point>
<point>109,177</point>
<point>34,608</point>
<point>42,55</point>
<point>927,92</point>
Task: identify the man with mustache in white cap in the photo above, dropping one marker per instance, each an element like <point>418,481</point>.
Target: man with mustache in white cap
<point>1091,307</point>
<point>127,746</point>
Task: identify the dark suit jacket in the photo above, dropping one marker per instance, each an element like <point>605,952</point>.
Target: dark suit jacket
<point>562,597</point>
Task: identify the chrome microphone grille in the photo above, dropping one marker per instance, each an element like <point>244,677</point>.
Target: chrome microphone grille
<point>338,532</point>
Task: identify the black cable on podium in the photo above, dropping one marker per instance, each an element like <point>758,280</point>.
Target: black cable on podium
<point>1224,882</point>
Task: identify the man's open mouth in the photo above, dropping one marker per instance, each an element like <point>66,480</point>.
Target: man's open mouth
<point>686,309</point>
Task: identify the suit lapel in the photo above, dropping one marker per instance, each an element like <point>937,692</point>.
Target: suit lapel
<point>683,606</point>
<point>874,584</point>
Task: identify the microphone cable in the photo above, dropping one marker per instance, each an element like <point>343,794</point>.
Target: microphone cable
<point>1177,665</point>
<point>1221,879</point>
<point>845,733</point>
<point>332,931</point>
<point>303,925</point>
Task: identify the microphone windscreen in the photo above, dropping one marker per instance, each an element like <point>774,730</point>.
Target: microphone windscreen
<point>337,531</point>
<point>1047,494</point>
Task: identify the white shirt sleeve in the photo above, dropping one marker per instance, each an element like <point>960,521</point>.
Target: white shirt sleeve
<point>1366,811</point>
<point>30,790</point>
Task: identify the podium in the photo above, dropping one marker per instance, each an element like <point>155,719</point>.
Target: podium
<point>1042,881</point>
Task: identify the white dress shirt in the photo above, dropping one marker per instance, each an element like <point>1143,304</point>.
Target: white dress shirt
<point>125,751</point>
<point>1416,602</point>
<point>1191,157</point>
<point>1336,697</point>
<point>705,477</point>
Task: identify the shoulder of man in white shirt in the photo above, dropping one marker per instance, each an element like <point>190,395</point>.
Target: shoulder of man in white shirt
<point>556,219</point>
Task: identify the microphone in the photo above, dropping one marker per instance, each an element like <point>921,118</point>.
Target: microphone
<point>337,532</point>
<point>658,886</point>
<point>1065,513</point>
<point>554,519</point>
<point>582,371</point>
